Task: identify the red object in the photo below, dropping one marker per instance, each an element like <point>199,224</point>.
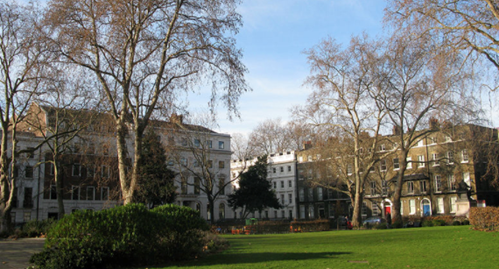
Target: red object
<point>349,225</point>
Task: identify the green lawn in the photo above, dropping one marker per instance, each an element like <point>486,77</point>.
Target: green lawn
<point>431,247</point>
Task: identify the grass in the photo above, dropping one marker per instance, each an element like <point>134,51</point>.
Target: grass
<point>429,247</point>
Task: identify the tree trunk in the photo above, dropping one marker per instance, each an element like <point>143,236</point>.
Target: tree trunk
<point>121,132</point>
<point>59,188</point>
<point>357,216</point>
<point>4,184</point>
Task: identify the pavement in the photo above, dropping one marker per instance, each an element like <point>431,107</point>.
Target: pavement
<point>15,253</point>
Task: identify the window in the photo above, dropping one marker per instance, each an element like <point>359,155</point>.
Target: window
<point>183,185</point>
<point>438,183</point>
<point>75,193</point>
<point>465,157</point>
<point>221,164</point>
<point>53,192</point>
<point>410,187</point>
<point>420,161</point>
<point>420,143</point>
<point>274,170</point>
<point>440,204</point>
<point>452,182</point>
<point>197,185</point>
<point>423,186</point>
<point>28,172</point>
<point>184,142</point>
<point>300,159</point>
<point>302,212</point>
<point>364,209</point>
<point>196,163</point>
<point>301,194</point>
<point>349,169</point>
<point>310,194</point>
<point>210,164</point>
<point>183,161</point>
<point>282,183</point>
<point>373,188</point>
<point>105,150</point>
<point>76,170</point>
<point>289,168</point>
<point>51,168</point>
<point>382,165</point>
<point>282,199</point>
<point>290,198</point>
<point>309,158</point>
<point>382,147</point>
<point>221,144</point>
<point>453,207</point>
<point>320,195</point>
<point>197,143</point>
<point>90,193</point>
<point>275,185</point>
<point>375,208</point>
<point>448,138</point>
<point>433,140</point>
<point>290,183</point>
<point>467,179</point>
<point>105,171</point>
<point>409,162</point>
<point>412,207</point>
<point>28,198</point>
<point>90,171</point>
<point>104,193</point>
<point>26,216</point>
<point>434,159</point>
<point>91,148</point>
<point>290,214</point>
<point>311,212</point>
<point>396,164</point>
<point>209,144</point>
<point>384,187</point>
<point>450,157</point>
<point>221,184</point>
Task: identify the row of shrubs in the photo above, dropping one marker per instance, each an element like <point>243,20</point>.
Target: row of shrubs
<point>130,235</point>
<point>485,218</point>
<point>425,222</point>
<point>32,228</point>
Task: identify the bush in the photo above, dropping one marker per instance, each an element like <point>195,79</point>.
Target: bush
<point>35,228</point>
<point>438,222</point>
<point>485,218</point>
<point>456,223</point>
<point>380,226</point>
<point>465,222</point>
<point>397,224</point>
<point>122,236</point>
<point>427,223</point>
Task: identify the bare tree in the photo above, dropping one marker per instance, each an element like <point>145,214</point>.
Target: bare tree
<point>268,137</point>
<point>464,25</point>
<point>241,147</point>
<point>22,57</point>
<point>347,102</point>
<point>147,53</point>
<point>425,81</point>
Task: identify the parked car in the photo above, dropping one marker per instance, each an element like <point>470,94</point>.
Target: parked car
<point>373,221</point>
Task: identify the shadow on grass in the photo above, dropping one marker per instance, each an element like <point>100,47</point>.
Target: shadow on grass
<point>242,258</point>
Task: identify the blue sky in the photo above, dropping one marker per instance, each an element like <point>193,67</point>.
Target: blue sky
<point>274,35</point>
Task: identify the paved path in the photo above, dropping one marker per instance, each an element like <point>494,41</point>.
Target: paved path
<point>15,254</point>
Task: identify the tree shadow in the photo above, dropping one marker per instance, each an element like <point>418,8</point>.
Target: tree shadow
<point>241,258</point>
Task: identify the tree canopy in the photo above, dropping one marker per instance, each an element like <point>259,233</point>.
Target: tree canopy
<point>254,193</point>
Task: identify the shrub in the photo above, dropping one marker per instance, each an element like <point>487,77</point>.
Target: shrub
<point>427,223</point>
<point>35,228</point>
<point>485,218</point>
<point>438,222</point>
<point>397,224</point>
<point>456,223</point>
<point>466,222</point>
<point>126,235</point>
<point>213,243</point>
<point>380,226</point>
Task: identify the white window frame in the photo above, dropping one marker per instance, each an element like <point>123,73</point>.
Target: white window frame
<point>450,157</point>
<point>410,187</point>
<point>382,165</point>
<point>102,191</point>
<point>421,161</point>
<point>92,188</point>
<point>409,162</point>
<point>76,173</point>
<point>396,164</point>
<point>465,158</point>
<point>434,158</point>
<point>438,183</point>
<point>453,205</point>
<point>221,144</point>
<point>412,207</point>
<point>440,207</point>
<point>73,187</point>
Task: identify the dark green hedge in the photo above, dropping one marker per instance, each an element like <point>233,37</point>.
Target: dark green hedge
<point>122,236</point>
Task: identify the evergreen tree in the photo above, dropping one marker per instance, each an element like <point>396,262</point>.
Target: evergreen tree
<point>254,193</point>
<point>156,181</point>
